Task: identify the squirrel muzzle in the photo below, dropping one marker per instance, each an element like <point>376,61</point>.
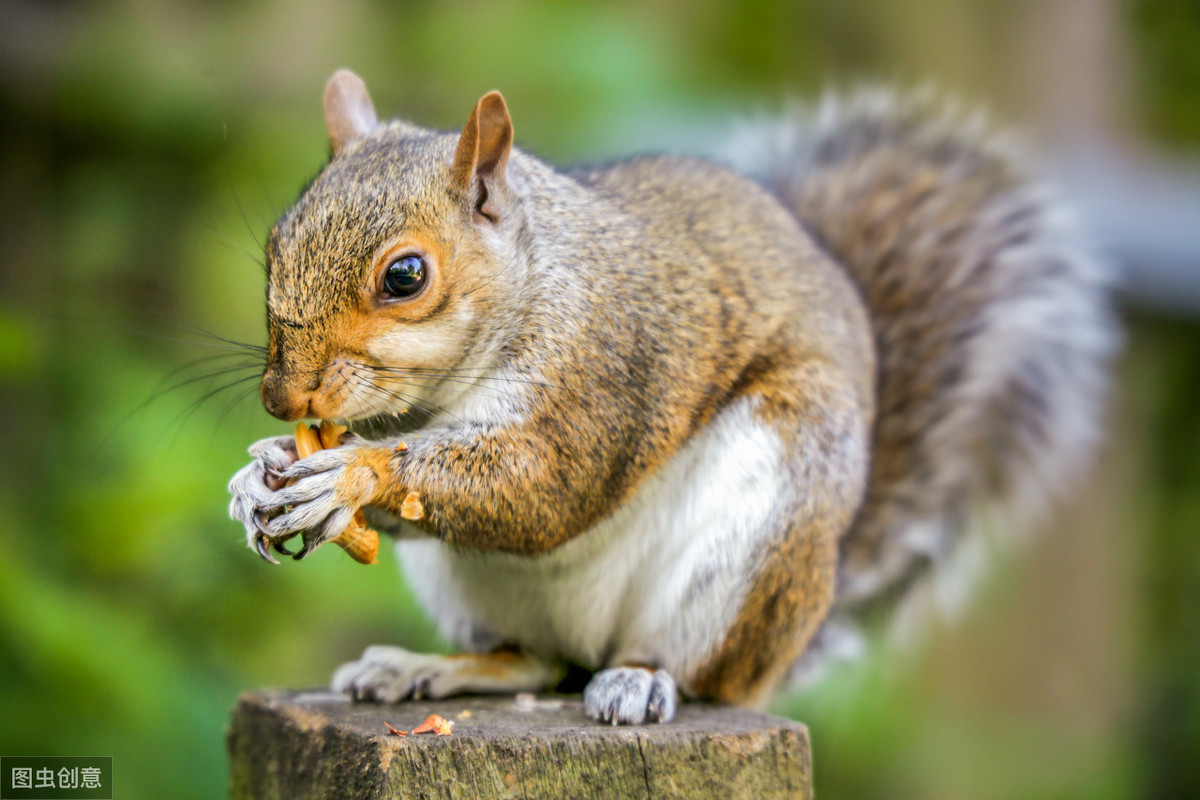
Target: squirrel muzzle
<point>283,398</point>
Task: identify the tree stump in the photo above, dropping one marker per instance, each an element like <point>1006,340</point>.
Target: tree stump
<point>317,744</point>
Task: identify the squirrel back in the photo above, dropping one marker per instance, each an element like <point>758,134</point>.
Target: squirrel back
<point>990,315</point>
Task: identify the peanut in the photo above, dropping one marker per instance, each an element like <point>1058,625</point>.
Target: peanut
<point>360,542</point>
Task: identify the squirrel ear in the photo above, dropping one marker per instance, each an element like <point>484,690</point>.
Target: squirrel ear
<point>349,114</point>
<point>482,154</point>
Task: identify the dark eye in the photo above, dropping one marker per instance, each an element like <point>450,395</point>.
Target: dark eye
<point>405,276</point>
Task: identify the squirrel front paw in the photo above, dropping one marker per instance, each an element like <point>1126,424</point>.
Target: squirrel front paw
<point>322,494</point>
<point>630,696</point>
<point>253,486</point>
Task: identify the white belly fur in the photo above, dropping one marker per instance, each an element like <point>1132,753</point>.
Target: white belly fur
<point>658,582</point>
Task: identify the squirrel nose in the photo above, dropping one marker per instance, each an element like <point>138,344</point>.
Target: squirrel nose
<point>283,400</point>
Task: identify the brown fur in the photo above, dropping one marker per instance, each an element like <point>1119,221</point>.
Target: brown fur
<point>990,317</point>
<point>583,448</point>
<point>793,588</point>
<point>621,405</point>
<point>667,289</point>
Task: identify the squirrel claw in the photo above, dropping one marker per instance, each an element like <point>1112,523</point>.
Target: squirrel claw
<point>261,545</point>
<point>309,546</point>
<point>277,546</point>
<point>277,542</point>
<point>273,479</point>
<point>303,552</point>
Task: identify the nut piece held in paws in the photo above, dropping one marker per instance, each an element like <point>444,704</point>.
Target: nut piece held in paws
<point>360,542</point>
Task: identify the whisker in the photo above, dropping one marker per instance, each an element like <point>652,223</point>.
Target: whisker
<point>412,401</point>
<point>358,403</point>
<point>434,373</point>
<point>241,210</point>
<point>507,269</point>
<point>429,409</point>
<point>209,340</point>
<point>481,285</point>
<point>232,246</point>
<point>161,391</point>
<point>208,359</point>
<point>198,378</point>
<point>195,404</point>
<point>208,336</point>
<point>437,383</point>
<point>182,417</point>
<point>238,398</point>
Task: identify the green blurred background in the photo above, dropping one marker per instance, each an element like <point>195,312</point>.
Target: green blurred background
<point>146,147</point>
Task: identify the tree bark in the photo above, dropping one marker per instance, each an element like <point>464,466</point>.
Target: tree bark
<point>317,744</point>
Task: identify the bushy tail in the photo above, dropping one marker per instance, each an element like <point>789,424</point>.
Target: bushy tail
<point>991,318</point>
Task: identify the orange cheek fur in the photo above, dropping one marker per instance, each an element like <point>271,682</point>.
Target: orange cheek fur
<point>430,332</point>
<point>417,333</point>
<point>433,330</point>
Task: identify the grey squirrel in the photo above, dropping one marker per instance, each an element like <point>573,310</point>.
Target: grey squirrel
<point>667,420</point>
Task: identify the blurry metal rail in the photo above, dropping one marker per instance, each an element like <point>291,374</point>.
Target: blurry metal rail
<point>1144,212</point>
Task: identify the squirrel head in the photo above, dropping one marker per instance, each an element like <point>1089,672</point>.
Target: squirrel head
<point>382,276</point>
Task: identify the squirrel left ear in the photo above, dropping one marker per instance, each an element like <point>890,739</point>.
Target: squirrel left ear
<point>349,113</point>
<point>482,154</point>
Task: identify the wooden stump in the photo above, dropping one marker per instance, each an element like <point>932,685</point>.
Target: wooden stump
<point>318,744</point>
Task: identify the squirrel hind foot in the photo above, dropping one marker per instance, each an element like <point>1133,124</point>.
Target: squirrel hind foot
<point>390,674</point>
<point>630,696</point>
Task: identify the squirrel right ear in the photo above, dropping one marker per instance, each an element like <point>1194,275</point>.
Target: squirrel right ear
<point>482,154</point>
<point>349,114</point>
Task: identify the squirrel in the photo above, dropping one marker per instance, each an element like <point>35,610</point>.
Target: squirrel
<point>670,422</point>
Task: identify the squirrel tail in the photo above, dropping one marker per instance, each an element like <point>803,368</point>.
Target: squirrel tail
<point>992,323</point>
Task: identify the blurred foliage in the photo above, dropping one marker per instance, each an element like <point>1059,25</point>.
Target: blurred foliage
<point>1167,32</point>
<point>146,150</point>
<point>1168,720</point>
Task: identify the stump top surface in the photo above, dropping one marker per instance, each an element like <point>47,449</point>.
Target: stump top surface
<point>310,744</point>
<point>503,718</point>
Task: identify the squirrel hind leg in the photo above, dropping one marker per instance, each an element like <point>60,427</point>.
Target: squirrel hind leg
<point>390,674</point>
<point>631,696</point>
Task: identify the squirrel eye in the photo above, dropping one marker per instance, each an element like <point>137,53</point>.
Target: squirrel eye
<point>405,276</point>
